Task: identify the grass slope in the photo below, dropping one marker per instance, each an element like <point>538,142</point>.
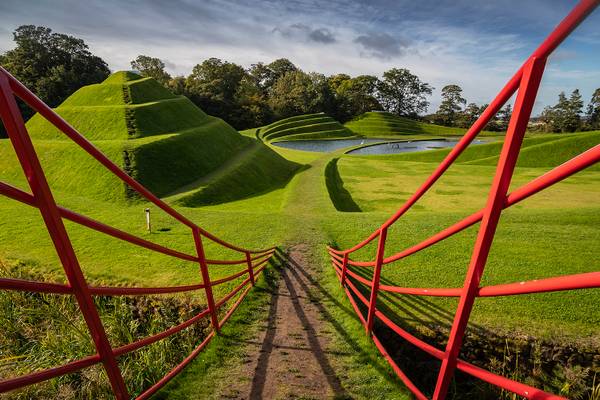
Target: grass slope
<point>308,126</point>
<point>162,140</point>
<point>387,124</point>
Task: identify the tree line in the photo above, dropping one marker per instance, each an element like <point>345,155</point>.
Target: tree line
<point>54,65</point>
<point>567,115</point>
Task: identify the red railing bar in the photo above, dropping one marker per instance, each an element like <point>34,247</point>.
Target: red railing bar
<point>229,278</point>
<point>15,127</point>
<point>234,306</point>
<point>263,262</point>
<point>358,294</point>
<point>138,291</point>
<point>220,303</point>
<point>508,384</point>
<point>361,279</point>
<point>33,286</point>
<point>26,198</point>
<point>529,392</point>
<point>354,305</point>
<point>409,384</point>
<point>259,270</point>
<point>154,388</point>
<point>268,253</point>
<point>557,174</point>
<point>40,376</point>
<point>119,351</point>
<point>567,25</point>
<point>495,204</point>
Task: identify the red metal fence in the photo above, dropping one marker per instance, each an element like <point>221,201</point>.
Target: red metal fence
<point>525,82</point>
<point>53,215</point>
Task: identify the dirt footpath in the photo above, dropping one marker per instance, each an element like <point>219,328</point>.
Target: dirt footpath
<point>289,359</point>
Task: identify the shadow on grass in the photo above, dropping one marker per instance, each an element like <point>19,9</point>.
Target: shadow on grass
<point>340,197</point>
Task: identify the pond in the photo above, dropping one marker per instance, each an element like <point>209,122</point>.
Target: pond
<point>380,148</point>
<point>324,146</point>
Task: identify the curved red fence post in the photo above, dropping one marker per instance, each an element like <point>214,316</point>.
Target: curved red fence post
<point>210,300</point>
<point>250,269</point>
<point>344,269</point>
<point>375,280</point>
<point>530,82</point>
<point>15,126</point>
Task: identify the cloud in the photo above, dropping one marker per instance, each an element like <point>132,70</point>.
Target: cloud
<point>303,32</point>
<point>322,35</point>
<point>381,45</point>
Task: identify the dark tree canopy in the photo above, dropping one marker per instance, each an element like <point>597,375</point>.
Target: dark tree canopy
<point>403,93</point>
<point>53,65</point>
<point>151,67</point>
<point>451,105</point>
<point>593,110</point>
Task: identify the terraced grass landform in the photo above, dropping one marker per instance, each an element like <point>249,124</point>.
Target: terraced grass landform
<point>162,140</point>
<point>307,126</point>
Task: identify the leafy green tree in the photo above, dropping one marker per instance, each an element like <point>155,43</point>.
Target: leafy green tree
<point>297,92</point>
<point>450,106</point>
<point>574,109</point>
<point>52,65</point>
<point>265,75</point>
<point>593,111</point>
<point>403,93</point>
<point>213,86</point>
<point>468,117</point>
<point>151,67</point>
<point>356,96</point>
<point>504,116</point>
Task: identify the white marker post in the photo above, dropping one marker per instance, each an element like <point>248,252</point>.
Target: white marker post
<point>148,225</point>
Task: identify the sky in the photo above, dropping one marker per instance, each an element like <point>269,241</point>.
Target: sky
<point>477,44</point>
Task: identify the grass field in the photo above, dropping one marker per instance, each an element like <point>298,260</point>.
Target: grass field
<point>553,233</point>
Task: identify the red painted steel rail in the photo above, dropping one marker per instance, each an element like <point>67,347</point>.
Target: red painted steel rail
<point>41,197</point>
<point>525,83</point>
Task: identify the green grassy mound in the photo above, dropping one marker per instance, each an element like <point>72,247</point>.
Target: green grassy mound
<point>308,126</point>
<point>257,170</point>
<point>387,124</point>
<point>162,140</point>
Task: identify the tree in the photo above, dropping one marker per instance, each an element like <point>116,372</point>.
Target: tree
<point>450,106</point>
<point>151,67</point>
<point>403,93</point>
<point>574,109</point>
<point>297,92</point>
<point>564,116</point>
<point>504,116</point>
<point>265,75</point>
<point>52,65</point>
<point>468,117</point>
<point>213,86</point>
<point>356,96</point>
<point>593,110</point>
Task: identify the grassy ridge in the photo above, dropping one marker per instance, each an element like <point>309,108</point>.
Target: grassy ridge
<point>388,124</point>
<point>261,169</point>
<point>162,140</point>
<point>165,164</point>
<point>308,126</point>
